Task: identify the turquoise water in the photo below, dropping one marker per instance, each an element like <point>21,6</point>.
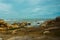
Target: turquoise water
<point>34,23</point>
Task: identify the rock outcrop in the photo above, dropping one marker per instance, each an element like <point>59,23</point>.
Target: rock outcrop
<point>51,27</point>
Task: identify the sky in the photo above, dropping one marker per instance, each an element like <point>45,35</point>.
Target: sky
<point>24,9</point>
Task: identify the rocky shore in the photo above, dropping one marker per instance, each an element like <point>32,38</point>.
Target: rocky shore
<point>48,30</point>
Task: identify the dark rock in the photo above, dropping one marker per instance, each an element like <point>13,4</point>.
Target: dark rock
<point>58,19</point>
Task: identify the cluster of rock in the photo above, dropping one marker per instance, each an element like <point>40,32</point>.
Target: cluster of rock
<point>5,27</point>
<point>51,27</point>
<point>15,28</point>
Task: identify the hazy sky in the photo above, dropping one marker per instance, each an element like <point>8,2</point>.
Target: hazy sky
<point>29,8</point>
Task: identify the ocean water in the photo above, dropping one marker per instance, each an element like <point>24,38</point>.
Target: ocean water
<point>34,23</point>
